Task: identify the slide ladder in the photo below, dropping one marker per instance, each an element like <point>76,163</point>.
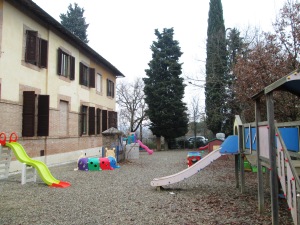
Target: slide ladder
<point>5,158</point>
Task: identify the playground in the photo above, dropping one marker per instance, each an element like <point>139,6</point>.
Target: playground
<point>125,196</point>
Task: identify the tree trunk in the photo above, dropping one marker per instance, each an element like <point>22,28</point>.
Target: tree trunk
<point>141,132</point>
<point>166,145</point>
<point>158,144</point>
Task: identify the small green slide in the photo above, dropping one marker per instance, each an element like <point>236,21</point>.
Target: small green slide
<point>41,167</point>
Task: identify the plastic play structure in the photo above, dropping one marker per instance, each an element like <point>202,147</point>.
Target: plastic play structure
<point>145,147</point>
<point>97,164</point>
<point>273,148</point>
<point>22,156</point>
<point>131,139</point>
<point>229,146</point>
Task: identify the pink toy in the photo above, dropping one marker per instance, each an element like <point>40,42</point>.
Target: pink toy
<point>145,147</point>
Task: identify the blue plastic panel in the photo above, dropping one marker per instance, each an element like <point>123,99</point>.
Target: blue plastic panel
<point>230,145</point>
<point>247,138</point>
<point>290,136</point>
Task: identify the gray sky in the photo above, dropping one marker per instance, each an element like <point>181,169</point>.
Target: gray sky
<point>122,31</point>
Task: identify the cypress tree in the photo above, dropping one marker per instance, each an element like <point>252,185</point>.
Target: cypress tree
<point>216,67</point>
<point>164,89</point>
<point>235,47</point>
<point>74,21</point>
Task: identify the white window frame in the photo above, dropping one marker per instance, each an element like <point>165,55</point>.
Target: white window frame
<point>99,83</point>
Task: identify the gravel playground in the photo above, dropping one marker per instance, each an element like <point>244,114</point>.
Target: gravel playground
<point>125,196</point>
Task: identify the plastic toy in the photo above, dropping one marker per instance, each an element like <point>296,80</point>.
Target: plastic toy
<point>150,152</point>
<point>22,156</point>
<point>193,157</point>
<point>96,164</point>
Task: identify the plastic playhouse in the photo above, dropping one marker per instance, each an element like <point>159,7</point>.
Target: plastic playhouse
<point>193,157</point>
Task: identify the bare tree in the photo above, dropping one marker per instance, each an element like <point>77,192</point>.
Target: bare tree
<point>195,115</point>
<point>269,58</point>
<point>130,99</point>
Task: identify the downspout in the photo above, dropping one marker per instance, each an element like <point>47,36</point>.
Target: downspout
<point>46,93</point>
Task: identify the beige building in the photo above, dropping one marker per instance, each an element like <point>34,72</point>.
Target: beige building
<point>56,93</point>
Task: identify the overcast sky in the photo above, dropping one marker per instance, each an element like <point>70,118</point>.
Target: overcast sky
<point>122,31</point>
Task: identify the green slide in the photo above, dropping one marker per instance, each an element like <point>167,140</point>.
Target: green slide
<point>41,167</point>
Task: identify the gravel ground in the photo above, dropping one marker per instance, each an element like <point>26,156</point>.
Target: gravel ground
<point>125,196</point>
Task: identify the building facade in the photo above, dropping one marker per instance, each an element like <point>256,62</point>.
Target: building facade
<point>56,93</point>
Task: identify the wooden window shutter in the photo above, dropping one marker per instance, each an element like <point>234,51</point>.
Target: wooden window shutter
<point>107,87</point>
<point>112,89</point>
<point>104,120</point>
<point>44,53</point>
<point>28,114</point>
<point>91,120</point>
<point>115,115</point>
<point>43,115</point>
<point>59,58</point>
<point>92,75</point>
<point>81,121</point>
<point>98,120</point>
<point>80,73</point>
<point>72,68</point>
<point>32,46</point>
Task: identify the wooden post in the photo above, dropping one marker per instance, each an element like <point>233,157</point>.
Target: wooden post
<point>259,168</point>
<point>237,181</point>
<point>242,168</point>
<point>272,154</point>
<point>236,156</point>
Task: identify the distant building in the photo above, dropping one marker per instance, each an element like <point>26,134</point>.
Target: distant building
<point>56,92</point>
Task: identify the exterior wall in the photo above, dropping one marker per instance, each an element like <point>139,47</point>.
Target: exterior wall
<point>105,102</point>
<point>1,24</point>
<point>13,71</point>
<point>17,76</point>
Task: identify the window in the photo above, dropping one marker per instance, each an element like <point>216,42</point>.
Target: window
<point>84,73</point>
<point>110,88</point>
<point>84,119</point>
<point>63,117</point>
<point>28,115</point>
<point>99,83</point>
<point>36,50</point>
<point>88,120</point>
<point>65,64</point>
<point>87,76</point>
<point>112,119</point>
